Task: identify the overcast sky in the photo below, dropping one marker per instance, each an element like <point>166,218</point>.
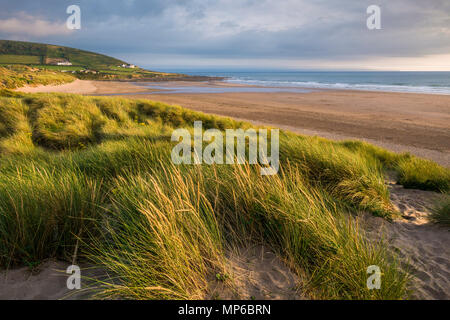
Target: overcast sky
<point>274,34</point>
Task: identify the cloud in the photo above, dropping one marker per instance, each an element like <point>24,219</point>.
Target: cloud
<point>28,25</point>
<point>238,30</point>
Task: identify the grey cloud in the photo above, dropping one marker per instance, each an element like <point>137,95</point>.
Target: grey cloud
<point>229,29</point>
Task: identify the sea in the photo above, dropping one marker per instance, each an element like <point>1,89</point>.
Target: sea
<point>391,81</point>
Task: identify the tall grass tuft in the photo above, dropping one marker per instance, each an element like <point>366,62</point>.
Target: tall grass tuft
<point>60,123</point>
<point>43,212</point>
<point>304,225</point>
<point>423,174</point>
<point>347,175</point>
<point>161,242</point>
<point>441,213</point>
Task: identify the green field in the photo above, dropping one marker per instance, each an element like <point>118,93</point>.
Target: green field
<point>19,59</point>
<point>57,68</point>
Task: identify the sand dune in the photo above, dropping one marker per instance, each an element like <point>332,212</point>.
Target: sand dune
<point>400,122</point>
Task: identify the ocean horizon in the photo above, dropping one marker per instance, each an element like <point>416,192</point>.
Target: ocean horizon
<point>391,81</point>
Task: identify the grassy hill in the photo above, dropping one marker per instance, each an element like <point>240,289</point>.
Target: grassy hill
<point>85,64</point>
<point>18,52</point>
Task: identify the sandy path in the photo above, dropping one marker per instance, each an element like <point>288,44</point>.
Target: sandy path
<point>86,87</point>
<point>77,86</point>
<point>423,246</point>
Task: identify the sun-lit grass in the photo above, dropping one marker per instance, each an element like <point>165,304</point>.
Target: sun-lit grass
<point>65,122</point>
<point>164,242</point>
<point>423,174</point>
<point>441,213</point>
<point>16,76</point>
<point>348,175</point>
<point>412,172</point>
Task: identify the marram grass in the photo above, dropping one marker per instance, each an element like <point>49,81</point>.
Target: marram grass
<point>441,212</point>
<point>18,76</point>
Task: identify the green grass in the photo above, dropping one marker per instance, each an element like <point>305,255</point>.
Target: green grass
<point>441,213</point>
<point>412,172</point>
<point>96,172</point>
<point>423,174</point>
<point>65,122</point>
<point>19,59</point>
<point>51,209</point>
<point>165,242</point>
<point>57,68</point>
<point>349,176</point>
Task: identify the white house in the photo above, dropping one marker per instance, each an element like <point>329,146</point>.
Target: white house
<point>65,63</point>
<point>128,66</point>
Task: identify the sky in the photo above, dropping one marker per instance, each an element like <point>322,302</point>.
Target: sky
<point>244,34</point>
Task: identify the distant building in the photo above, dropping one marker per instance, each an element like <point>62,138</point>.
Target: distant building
<point>64,63</point>
<point>128,66</point>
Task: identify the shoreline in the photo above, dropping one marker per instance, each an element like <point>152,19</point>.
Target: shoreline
<point>400,122</point>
